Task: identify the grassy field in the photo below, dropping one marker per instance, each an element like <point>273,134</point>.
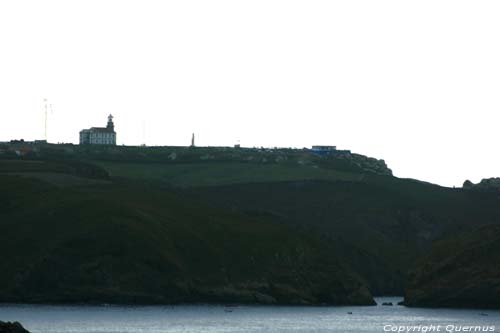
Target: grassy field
<point>221,173</point>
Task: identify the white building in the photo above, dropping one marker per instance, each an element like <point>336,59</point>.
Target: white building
<point>99,135</point>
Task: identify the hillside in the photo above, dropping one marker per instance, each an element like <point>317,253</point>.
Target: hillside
<point>380,225</point>
<point>344,226</point>
<point>461,271</point>
<point>125,242</point>
<point>185,166</point>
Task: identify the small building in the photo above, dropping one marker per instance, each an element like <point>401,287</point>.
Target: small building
<point>323,149</point>
<point>99,135</point>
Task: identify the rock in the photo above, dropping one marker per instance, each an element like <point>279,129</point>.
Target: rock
<point>361,296</point>
<point>487,184</point>
<point>387,303</point>
<point>12,327</point>
<point>264,299</point>
<point>468,184</point>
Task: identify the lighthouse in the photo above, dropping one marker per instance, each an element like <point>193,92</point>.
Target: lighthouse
<point>110,125</point>
<point>99,135</point>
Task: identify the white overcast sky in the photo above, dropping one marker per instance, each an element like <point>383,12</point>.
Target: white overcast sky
<point>416,83</point>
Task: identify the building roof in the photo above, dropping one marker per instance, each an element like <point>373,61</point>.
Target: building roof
<point>99,130</point>
<point>324,147</point>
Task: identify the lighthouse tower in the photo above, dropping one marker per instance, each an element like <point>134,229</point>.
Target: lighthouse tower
<point>110,125</point>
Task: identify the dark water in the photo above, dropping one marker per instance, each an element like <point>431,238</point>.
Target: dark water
<point>213,318</point>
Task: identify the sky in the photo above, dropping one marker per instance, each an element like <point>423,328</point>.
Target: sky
<point>416,83</point>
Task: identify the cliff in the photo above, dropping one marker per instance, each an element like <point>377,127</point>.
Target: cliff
<point>461,271</point>
<point>176,224</point>
<point>126,242</point>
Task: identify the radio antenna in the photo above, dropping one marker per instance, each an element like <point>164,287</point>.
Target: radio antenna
<point>46,116</point>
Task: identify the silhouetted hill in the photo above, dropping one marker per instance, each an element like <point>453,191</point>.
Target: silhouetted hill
<point>485,185</point>
<point>12,327</point>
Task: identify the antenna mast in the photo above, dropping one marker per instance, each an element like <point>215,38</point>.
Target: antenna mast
<point>46,115</point>
<point>143,132</point>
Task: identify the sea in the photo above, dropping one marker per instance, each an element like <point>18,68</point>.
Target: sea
<point>248,318</point>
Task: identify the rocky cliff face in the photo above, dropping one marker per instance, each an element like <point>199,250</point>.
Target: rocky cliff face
<point>366,164</point>
<point>134,243</point>
<point>463,271</point>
